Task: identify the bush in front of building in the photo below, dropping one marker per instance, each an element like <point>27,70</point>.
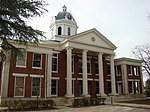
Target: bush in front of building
<point>19,105</point>
<point>88,102</point>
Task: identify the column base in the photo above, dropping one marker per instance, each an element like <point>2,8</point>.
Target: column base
<point>113,94</point>
<point>86,95</point>
<point>101,95</point>
<point>69,96</point>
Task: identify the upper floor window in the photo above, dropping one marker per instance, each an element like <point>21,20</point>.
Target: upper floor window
<point>118,70</point>
<point>21,60</point>
<point>135,68</point>
<point>96,67</point>
<point>59,30</point>
<point>80,66</point>
<point>69,31</point>
<point>108,67</point>
<point>37,60</point>
<point>89,65</point>
<point>55,62</point>
<point>129,70</point>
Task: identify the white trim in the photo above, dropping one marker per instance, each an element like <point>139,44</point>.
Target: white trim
<point>20,75</point>
<point>96,80</point>
<point>79,78</point>
<point>23,86</point>
<point>118,81</point>
<point>136,79</point>
<point>130,79</point>
<point>55,78</point>
<point>108,80</point>
<point>36,76</point>
<point>90,79</point>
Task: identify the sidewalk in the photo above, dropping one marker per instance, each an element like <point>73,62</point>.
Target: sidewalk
<point>132,105</point>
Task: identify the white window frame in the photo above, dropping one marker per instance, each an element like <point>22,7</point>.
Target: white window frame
<point>89,61</point>
<point>23,86</point>
<point>24,58</point>
<point>96,62</point>
<point>109,66</point>
<point>57,63</point>
<point>132,87</point>
<point>40,61</point>
<point>80,61</point>
<point>138,86</point>
<point>56,88</point>
<point>32,85</point>
<point>118,74</point>
<point>136,72</point>
<point>130,70</point>
<point>72,64</point>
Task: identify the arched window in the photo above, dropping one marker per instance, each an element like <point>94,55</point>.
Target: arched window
<point>69,32</point>
<point>59,30</point>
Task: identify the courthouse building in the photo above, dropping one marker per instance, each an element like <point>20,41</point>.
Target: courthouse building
<point>70,64</point>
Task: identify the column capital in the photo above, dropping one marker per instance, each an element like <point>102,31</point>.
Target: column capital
<point>69,48</point>
<point>100,53</point>
<point>85,50</point>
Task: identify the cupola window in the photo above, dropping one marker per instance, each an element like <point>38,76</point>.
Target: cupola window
<point>69,31</point>
<point>59,30</point>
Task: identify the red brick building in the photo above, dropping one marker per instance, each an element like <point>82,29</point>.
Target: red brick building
<point>70,65</point>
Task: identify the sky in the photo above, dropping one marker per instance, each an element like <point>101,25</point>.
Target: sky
<point>124,22</point>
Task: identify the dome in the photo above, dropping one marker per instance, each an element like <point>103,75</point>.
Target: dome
<point>64,14</point>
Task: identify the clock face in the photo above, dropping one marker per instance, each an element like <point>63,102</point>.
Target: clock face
<point>69,16</point>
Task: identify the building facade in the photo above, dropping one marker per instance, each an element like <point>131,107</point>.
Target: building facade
<point>70,65</point>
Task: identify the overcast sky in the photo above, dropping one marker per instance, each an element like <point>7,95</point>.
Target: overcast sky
<point>124,22</point>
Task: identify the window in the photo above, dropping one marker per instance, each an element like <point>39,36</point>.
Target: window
<point>118,70</point>
<point>89,65</point>
<point>135,70</point>
<point>108,68</point>
<point>19,86</point>
<point>69,31</point>
<point>36,86</point>
<point>21,60</point>
<point>130,87</point>
<point>59,30</point>
<point>137,87</point>
<point>72,64</point>
<point>109,86</point>
<point>54,88</point>
<point>37,60</point>
<point>55,62</point>
<point>129,70</point>
<point>97,87</point>
<point>72,86</point>
<point>80,66</point>
<point>80,87</point>
<point>96,67</point>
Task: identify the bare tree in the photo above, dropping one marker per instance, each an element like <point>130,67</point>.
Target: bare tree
<point>142,52</point>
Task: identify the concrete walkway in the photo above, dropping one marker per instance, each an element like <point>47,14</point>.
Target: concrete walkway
<point>101,108</point>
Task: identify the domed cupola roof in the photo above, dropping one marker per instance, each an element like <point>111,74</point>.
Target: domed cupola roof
<point>64,14</point>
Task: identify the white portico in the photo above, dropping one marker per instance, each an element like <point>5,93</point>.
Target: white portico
<point>87,42</point>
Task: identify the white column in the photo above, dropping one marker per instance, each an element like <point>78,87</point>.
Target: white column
<point>84,67</point>
<point>49,74</point>
<point>101,78</point>
<point>113,81</point>
<point>69,73</point>
<point>125,79</point>
<point>5,76</point>
<point>142,84</point>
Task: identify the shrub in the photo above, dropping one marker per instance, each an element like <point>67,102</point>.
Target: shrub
<point>28,104</point>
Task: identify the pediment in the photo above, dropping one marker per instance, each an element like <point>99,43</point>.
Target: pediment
<point>93,38</point>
